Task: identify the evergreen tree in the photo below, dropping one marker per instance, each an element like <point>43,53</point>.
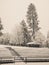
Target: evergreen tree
<point>1,27</point>
<point>32,19</point>
<point>25,32</point>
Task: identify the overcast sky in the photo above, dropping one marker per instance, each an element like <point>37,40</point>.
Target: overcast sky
<point>13,11</point>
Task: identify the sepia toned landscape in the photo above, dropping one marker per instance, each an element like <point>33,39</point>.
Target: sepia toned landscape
<point>24,36</point>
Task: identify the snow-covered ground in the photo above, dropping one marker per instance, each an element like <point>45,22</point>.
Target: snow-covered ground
<point>26,52</point>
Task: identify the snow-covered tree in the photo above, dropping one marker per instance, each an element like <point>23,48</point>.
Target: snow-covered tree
<point>26,36</point>
<point>32,19</point>
<point>1,27</point>
<point>40,38</point>
<point>47,41</point>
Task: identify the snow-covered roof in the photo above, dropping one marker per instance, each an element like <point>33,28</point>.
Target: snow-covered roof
<point>33,43</point>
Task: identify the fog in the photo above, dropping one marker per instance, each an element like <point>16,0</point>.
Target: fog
<point>13,11</point>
